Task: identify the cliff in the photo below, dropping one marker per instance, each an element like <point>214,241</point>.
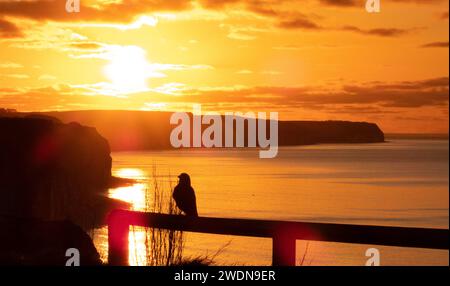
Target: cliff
<point>139,130</point>
<point>51,170</point>
<point>318,132</point>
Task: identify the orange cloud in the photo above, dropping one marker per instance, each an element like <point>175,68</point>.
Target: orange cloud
<point>9,30</point>
<point>406,94</point>
<point>382,32</point>
<point>54,10</point>
<point>436,45</point>
<point>127,11</point>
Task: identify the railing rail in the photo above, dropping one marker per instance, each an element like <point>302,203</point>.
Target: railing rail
<point>283,234</point>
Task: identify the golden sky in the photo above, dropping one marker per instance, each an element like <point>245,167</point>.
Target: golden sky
<point>306,59</point>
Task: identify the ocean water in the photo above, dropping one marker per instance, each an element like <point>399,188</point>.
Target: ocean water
<point>398,183</point>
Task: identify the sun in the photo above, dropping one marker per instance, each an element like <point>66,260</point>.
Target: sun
<point>128,69</point>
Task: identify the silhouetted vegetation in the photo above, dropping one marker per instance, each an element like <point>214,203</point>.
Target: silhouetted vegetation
<point>162,247</point>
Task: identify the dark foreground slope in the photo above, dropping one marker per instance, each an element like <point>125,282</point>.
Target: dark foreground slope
<point>29,242</point>
<point>139,130</point>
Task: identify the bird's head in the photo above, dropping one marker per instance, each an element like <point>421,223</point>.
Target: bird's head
<point>184,179</point>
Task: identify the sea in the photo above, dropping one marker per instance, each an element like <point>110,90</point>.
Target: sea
<point>402,182</point>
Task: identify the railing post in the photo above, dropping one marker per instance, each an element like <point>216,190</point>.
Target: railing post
<point>118,229</point>
<point>283,250</point>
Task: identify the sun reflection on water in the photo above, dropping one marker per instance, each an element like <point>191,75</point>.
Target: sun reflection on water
<point>131,173</point>
<point>136,196</point>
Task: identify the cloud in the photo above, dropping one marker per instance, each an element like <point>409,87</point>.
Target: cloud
<point>47,77</point>
<point>131,14</point>
<point>435,45</point>
<point>216,4</point>
<point>137,23</point>
<point>273,7</point>
<point>340,3</point>
<point>243,33</point>
<point>382,32</point>
<point>420,1</point>
<point>10,65</point>
<point>360,3</point>
<point>111,11</point>
<point>53,37</point>
<point>407,94</point>
<point>299,22</point>
<point>358,110</point>
<point>16,76</point>
<point>365,99</point>
<point>44,98</point>
<point>8,29</point>
<point>284,17</point>
<point>86,46</point>
<point>304,47</point>
<point>306,23</point>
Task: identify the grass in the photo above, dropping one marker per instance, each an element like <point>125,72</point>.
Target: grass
<point>163,247</point>
<point>302,261</point>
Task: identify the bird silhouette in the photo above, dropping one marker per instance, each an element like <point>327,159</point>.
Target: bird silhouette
<point>184,196</point>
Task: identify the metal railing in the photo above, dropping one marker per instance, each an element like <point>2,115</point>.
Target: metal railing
<point>283,234</point>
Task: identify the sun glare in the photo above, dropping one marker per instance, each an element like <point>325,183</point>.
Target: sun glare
<point>128,69</point>
<point>130,173</point>
<point>134,194</point>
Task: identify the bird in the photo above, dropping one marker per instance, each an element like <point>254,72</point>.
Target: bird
<point>184,196</point>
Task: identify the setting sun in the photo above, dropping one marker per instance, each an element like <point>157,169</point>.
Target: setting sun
<point>128,69</point>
